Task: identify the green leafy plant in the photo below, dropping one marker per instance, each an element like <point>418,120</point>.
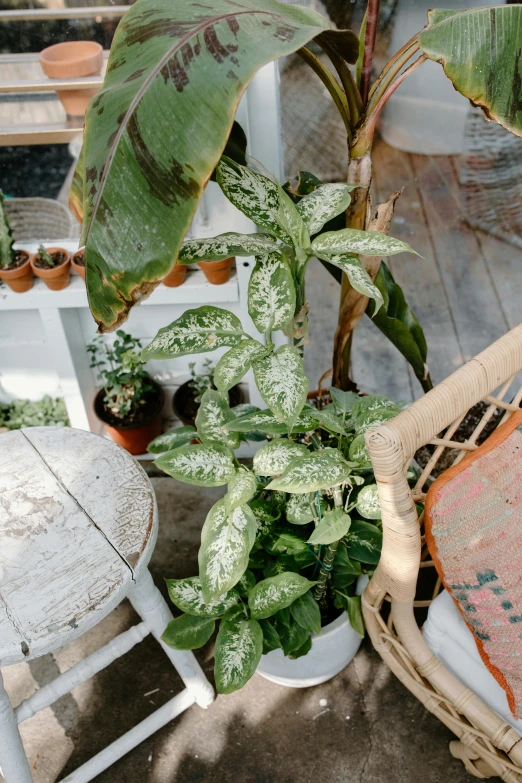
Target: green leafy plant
<point>46,258</point>
<point>202,381</point>
<point>46,412</point>
<point>120,371</point>
<point>160,74</point>
<point>7,253</point>
<point>281,552</point>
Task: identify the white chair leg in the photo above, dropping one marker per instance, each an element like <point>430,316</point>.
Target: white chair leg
<point>155,613</point>
<point>13,762</point>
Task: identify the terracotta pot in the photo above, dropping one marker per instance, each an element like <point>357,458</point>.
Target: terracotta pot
<point>19,279</point>
<point>217,272</point>
<point>133,439</point>
<point>59,276</point>
<point>71,60</point>
<point>176,276</point>
<point>78,268</point>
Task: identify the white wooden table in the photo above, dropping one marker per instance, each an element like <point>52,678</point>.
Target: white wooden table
<point>78,524</point>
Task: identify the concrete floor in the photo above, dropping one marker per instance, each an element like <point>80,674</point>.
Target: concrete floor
<point>370,731</point>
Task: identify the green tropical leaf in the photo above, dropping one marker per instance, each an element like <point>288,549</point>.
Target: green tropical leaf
<point>239,646</point>
<point>368,504</point>
<point>204,465</point>
<point>292,223</point>
<point>172,439</point>
<point>235,363</point>
<point>188,632</point>
<point>226,541</point>
<point>271,294</point>
<point>246,583</point>
<point>187,595</point>
<point>351,240</point>
<point>352,604</point>
<point>176,70</point>
<point>374,419</point>
<point>479,49</point>
<point>358,276</point>
<point>323,204</point>
<point>370,404</point>
<point>359,452</point>
<point>212,417</point>
<point>224,246</point>
<point>265,421</point>
<point>318,470</point>
<point>364,542</point>
<point>280,565</point>
<point>272,459</point>
<point>305,611</point>
<point>271,639</point>
<point>399,324</point>
<point>343,565</point>
<point>276,592</point>
<point>294,638</point>
<point>329,420</point>
<point>332,527</point>
<point>301,509</point>
<point>282,383</point>
<point>266,511</point>
<point>241,488</point>
<point>343,401</point>
<point>196,331</point>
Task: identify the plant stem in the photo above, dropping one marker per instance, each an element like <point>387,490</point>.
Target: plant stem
<point>331,84</point>
<point>329,557</point>
<point>391,70</point>
<point>370,34</point>
<point>351,90</point>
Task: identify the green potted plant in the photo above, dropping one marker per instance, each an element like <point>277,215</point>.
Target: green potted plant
<point>15,267</point>
<point>282,552</point>
<point>53,266</point>
<point>187,397</point>
<point>129,401</point>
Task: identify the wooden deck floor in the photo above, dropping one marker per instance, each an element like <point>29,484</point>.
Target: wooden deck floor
<point>466,290</point>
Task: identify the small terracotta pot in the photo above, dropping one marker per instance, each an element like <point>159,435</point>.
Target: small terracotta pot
<point>19,279</point>
<point>217,272</point>
<point>59,276</point>
<point>176,276</point>
<point>71,60</point>
<point>133,439</point>
<point>78,268</point>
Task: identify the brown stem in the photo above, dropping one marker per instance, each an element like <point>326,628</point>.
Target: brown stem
<point>372,19</point>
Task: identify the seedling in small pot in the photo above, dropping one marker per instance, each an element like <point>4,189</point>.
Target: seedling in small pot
<point>53,266</point>
<point>46,259</point>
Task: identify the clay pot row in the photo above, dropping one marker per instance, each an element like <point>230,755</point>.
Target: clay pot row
<point>216,272</point>
<point>21,278</point>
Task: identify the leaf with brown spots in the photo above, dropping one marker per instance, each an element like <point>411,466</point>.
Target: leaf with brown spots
<point>156,131</point>
<point>480,50</point>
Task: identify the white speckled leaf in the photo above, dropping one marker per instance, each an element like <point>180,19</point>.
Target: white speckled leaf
<point>282,383</point>
<point>323,204</point>
<point>275,593</point>
<point>368,504</point>
<point>239,646</point>
<point>318,470</point>
<point>374,419</point>
<point>196,331</point>
<point>358,277</point>
<point>351,240</point>
<point>254,194</point>
<point>172,439</point>
<point>204,465</point>
<point>226,541</point>
<point>224,246</point>
<point>241,488</point>
<point>372,402</point>
<point>271,294</point>
<point>292,222</point>
<point>212,417</point>
<point>332,527</point>
<point>301,509</point>
<point>188,632</point>
<point>329,420</point>
<point>359,452</point>
<point>273,458</point>
<point>234,364</point>
<point>265,421</point>
<point>187,595</point>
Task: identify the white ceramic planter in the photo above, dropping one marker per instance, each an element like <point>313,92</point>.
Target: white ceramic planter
<point>331,652</point>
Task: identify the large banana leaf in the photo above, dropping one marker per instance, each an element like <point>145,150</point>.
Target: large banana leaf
<point>480,50</point>
<point>156,130</point>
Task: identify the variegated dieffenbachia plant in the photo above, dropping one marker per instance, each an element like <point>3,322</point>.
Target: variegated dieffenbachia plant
<point>282,550</point>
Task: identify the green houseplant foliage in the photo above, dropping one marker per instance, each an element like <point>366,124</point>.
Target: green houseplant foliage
<point>7,254</point>
<point>283,548</point>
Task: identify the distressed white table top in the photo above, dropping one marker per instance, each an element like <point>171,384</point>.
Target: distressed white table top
<point>78,522</point>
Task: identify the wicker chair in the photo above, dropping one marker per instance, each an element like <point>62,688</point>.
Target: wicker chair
<point>486,744</point>
<point>38,218</point>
